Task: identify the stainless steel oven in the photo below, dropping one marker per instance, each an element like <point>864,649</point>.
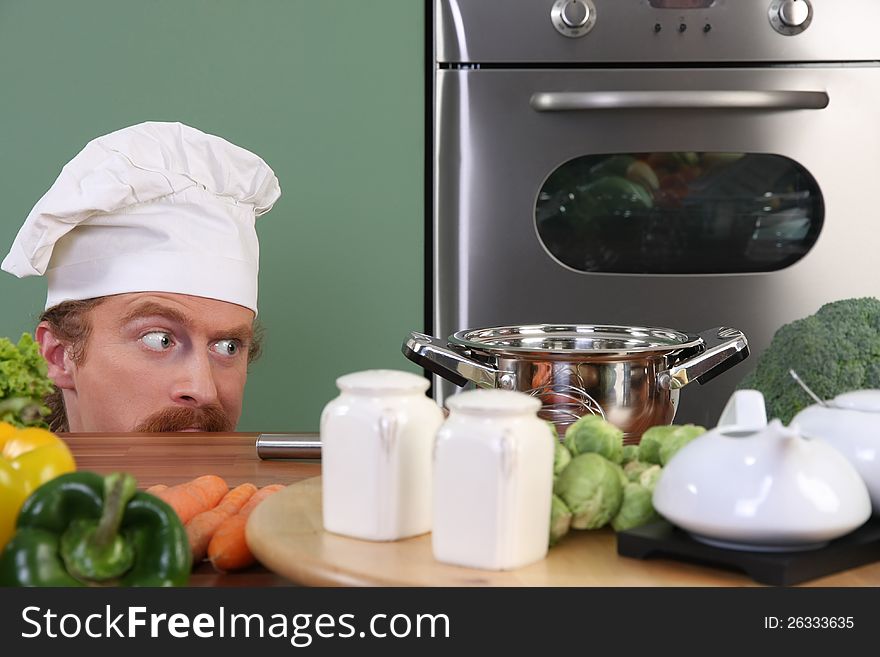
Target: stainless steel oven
<point>678,163</point>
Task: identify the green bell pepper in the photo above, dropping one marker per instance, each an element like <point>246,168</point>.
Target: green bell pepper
<point>83,529</point>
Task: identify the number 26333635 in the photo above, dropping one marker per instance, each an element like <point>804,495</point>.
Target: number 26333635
<point>809,622</point>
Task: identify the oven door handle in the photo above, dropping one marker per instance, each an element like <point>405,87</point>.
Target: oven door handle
<point>567,101</point>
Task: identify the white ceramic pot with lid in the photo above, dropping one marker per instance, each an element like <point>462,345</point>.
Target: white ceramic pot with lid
<point>851,424</point>
<point>766,488</point>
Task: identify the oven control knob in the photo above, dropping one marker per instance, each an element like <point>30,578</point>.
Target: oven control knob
<point>575,14</point>
<point>794,12</point>
<point>573,18</point>
<point>790,17</point>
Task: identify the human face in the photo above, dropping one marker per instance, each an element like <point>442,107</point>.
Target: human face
<point>161,362</point>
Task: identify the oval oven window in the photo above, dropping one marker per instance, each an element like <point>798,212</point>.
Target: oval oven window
<point>679,213</point>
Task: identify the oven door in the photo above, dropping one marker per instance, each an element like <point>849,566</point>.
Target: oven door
<point>683,198</point>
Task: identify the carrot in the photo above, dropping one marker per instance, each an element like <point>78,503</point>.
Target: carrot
<point>201,528</point>
<point>156,489</point>
<point>192,497</point>
<point>228,549</point>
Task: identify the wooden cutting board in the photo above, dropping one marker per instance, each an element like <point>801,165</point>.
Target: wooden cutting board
<point>286,534</point>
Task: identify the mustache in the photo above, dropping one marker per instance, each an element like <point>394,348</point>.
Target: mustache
<point>178,418</point>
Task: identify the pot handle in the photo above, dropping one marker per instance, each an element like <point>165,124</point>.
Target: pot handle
<point>445,360</point>
<point>723,347</point>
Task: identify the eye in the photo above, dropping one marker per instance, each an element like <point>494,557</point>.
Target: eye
<point>227,347</point>
<point>157,340</point>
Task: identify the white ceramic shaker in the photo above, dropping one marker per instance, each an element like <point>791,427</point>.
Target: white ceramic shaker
<point>493,481</point>
<point>376,440</point>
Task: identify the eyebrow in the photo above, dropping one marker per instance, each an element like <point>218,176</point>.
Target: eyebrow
<point>243,333</point>
<point>153,309</point>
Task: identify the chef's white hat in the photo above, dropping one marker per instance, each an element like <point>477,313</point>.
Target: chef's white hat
<point>158,207</point>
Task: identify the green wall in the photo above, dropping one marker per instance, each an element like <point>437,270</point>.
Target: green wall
<point>329,94</point>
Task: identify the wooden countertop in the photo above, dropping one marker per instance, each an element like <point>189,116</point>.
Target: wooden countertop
<point>172,458</point>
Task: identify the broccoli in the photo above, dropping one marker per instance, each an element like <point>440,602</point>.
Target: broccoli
<point>835,350</point>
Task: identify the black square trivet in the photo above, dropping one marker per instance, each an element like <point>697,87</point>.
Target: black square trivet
<point>661,539</point>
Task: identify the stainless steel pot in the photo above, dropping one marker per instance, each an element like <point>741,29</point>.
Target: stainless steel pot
<point>629,374</point>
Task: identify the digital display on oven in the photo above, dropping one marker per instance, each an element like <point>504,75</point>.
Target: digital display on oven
<point>681,4</point>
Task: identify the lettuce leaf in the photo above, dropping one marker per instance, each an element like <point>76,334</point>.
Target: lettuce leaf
<point>23,382</point>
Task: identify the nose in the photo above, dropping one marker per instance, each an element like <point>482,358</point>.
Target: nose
<point>195,385</point>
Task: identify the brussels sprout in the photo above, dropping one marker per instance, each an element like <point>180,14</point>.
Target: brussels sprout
<point>677,440</point>
<point>636,508</point>
<point>649,477</point>
<point>649,446</point>
<point>591,487</point>
<point>553,430</point>
<point>634,469</point>
<point>592,433</point>
<point>561,458</point>
<point>621,475</point>
<point>630,453</point>
<point>655,437</point>
<point>560,519</point>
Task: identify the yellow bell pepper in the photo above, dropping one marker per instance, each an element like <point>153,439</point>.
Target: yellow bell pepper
<point>28,458</point>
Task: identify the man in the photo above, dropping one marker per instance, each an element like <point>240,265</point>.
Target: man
<point>148,241</point>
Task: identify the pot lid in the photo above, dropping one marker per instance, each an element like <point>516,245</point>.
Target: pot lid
<point>859,400</point>
<point>567,339</point>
